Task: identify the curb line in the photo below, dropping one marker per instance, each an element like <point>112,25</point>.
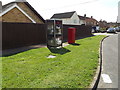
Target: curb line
<point>96,79</point>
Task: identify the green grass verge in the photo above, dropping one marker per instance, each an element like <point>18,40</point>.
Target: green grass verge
<point>73,67</point>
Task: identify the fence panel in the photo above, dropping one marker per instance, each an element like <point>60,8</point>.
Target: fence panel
<point>22,34</point>
<point>16,35</point>
<point>81,31</point>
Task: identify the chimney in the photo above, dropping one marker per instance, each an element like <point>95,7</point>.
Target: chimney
<point>85,15</point>
<point>91,16</point>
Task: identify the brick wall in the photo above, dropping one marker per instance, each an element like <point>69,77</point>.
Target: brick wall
<point>30,12</point>
<point>15,15</point>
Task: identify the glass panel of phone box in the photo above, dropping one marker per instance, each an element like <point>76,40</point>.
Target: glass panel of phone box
<point>54,33</point>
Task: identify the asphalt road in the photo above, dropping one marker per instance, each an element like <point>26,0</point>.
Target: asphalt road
<point>109,74</point>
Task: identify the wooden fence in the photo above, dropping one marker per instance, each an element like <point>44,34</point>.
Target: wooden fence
<point>81,31</point>
<point>16,35</point>
<point>22,34</point>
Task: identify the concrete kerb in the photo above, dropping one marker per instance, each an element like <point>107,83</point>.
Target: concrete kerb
<point>96,78</point>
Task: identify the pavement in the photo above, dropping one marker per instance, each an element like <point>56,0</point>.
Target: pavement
<point>107,34</point>
<point>109,74</point>
<point>21,49</point>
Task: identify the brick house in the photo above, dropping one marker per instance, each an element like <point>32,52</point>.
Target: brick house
<point>103,24</point>
<point>112,24</point>
<point>21,12</point>
<point>91,21</point>
<point>88,20</point>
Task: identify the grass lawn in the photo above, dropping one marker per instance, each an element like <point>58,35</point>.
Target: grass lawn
<point>73,67</point>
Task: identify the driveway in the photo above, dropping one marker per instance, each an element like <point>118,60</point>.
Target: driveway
<point>109,74</point>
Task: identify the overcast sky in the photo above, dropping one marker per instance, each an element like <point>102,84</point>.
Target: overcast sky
<point>99,9</point>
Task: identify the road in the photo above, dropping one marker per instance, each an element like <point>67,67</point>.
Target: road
<point>109,74</point>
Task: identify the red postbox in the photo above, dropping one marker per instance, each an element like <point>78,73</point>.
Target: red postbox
<point>71,35</point>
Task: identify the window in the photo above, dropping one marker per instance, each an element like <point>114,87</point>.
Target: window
<point>75,21</point>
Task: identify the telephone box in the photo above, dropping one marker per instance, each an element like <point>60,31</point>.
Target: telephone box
<point>54,33</point>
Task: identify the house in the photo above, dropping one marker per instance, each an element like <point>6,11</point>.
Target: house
<point>21,12</point>
<point>88,20</point>
<point>103,24</point>
<point>112,24</point>
<point>70,18</point>
<point>91,21</point>
<point>82,20</point>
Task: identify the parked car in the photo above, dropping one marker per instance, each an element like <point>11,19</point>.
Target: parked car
<point>95,29</point>
<point>103,31</point>
<point>111,30</point>
<point>117,29</point>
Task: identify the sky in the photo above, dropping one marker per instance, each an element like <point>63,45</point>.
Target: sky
<point>99,9</point>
